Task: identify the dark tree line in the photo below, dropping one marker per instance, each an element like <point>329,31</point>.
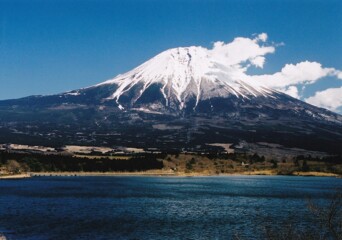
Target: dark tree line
<point>39,163</point>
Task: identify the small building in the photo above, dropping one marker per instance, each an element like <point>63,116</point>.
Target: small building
<point>244,164</point>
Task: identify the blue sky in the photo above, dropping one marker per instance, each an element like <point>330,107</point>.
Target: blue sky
<point>53,46</point>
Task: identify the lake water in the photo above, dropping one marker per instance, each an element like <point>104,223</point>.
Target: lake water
<point>156,207</point>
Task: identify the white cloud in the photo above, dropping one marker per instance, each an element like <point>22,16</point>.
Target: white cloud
<point>241,50</point>
<point>258,61</point>
<point>242,53</point>
<point>262,37</point>
<point>293,74</point>
<point>292,91</point>
<point>330,99</point>
<point>252,51</point>
<point>339,75</point>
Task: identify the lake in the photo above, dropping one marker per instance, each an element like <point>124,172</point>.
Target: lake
<point>218,207</point>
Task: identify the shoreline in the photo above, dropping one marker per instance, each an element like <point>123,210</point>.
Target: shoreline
<point>161,174</point>
<point>15,176</point>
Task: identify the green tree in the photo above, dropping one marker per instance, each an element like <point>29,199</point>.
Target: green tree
<point>305,166</point>
<point>275,163</point>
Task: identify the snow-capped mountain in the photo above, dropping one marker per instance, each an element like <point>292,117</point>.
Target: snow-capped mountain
<point>180,76</point>
<point>181,98</point>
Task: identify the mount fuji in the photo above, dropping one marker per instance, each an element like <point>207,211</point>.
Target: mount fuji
<point>183,98</point>
<point>180,79</point>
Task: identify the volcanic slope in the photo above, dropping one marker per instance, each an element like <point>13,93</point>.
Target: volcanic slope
<point>183,98</point>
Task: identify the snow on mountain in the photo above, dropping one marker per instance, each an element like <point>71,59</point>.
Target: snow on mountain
<point>183,74</point>
<point>190,80</point>
<point>200,95</point>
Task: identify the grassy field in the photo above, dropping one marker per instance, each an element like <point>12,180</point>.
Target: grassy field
<point>168,164</point>
<point>241,164</point>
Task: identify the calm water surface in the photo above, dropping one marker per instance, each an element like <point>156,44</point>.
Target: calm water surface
<point>155,207</point>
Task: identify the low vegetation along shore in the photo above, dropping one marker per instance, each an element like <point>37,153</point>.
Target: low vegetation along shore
<point>22,164</point>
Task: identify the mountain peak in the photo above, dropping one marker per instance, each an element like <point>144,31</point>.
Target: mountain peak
<point>183,97</point>
<point>183,74</point>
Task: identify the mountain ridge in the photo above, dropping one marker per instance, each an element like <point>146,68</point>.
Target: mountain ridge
<point>183,73</point>
<point>188,92</point>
